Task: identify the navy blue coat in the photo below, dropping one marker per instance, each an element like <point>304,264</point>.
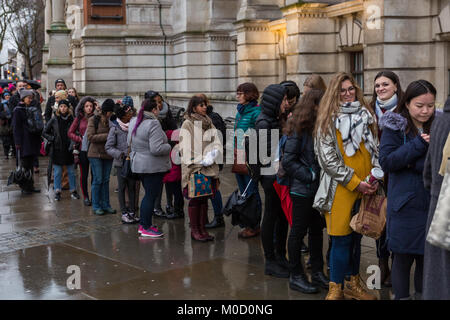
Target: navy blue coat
<point>402,156</point>
<point>30,144</point>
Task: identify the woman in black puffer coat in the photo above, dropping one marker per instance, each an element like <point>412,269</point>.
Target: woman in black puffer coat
<point>273,105</point>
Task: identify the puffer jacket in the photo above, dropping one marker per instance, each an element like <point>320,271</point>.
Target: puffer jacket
<point>268,120</point>
<point>300,164</point>
<point>116,144</point>
<point>150,149</point>
<point>334,170</point>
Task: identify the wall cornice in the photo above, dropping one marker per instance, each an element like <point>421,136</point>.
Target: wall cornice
<point>344,8</point>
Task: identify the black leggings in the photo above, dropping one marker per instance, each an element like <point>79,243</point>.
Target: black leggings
<point>173,192</point>
<point>400,274</point>
<point>304,217</point>
<point>274,220</point>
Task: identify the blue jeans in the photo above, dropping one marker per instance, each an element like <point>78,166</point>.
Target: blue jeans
<point>242,181</point>
<point>345,256</point>
<point>57,176</point>
<point>101,170</point>
<point>217,204</point>
<point>152,183</point>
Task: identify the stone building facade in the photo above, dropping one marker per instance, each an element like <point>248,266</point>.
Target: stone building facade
<point>182,47</point>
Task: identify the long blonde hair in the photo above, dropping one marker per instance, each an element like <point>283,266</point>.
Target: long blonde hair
<point>331,102</point>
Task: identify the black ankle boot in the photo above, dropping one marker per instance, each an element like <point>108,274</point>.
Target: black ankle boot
<point>300,283</point>
<point>320,280</point>
<point>282,260</point>
<point>216,223</point>
<point>273,268</point>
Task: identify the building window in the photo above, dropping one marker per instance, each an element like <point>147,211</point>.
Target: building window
<point>357,67</point>
<point>106,2</point>
<point>104,12</point>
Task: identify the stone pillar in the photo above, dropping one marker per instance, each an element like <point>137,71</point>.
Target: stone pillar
<point>48,19</point>
<point>59,63</point>
<point>256,53</point>
<point>311,42</point>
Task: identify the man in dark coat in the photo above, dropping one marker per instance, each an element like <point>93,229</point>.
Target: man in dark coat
<point>60,84</point>
<point>436,270</point>
<point>26,143</point>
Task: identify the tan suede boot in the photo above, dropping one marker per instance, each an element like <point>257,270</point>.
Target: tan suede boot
<point>335,292</point>
<point>354,290</point>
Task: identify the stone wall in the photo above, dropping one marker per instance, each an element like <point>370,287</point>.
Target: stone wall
<point>212,46</point>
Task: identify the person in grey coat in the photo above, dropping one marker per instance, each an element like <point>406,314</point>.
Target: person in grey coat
<point>436,268</point>
<point>150,158</point>
<point>117,147</point>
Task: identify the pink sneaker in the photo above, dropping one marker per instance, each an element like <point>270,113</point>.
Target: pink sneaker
<point>140,229</point>
<point>151,232</point>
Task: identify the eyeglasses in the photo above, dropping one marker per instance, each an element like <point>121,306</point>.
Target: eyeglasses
<point>239,93</point>
<point>348,90</point>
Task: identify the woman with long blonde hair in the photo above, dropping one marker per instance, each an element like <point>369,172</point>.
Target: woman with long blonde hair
<point>346,145</point>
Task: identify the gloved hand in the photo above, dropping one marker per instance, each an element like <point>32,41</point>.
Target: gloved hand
<point>209,158</point>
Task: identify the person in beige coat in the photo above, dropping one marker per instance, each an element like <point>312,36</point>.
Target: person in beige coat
<point>200,149</point>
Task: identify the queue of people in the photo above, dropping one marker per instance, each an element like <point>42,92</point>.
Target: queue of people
<point>328,141</point>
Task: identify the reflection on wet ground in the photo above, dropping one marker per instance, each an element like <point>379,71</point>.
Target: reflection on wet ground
<point>40,239</point>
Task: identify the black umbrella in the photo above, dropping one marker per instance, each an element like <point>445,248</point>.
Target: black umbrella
<point>49,172</point>
<point>5,82</point>
<point>243,208</point>
<point>34,84</point>
<point>20,176</point>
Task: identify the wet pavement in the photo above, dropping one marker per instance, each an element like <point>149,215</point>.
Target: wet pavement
<point>43,241</point>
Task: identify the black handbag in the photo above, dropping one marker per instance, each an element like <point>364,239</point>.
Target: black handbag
<point>126,171</point>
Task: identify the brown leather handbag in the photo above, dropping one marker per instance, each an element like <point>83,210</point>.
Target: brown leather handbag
<point>239,168</point>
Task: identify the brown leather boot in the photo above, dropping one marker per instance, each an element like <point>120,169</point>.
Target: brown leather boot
<point>354,290</point>
<point>335,292</point>
<point>194,218</point>
<point>203,221</point>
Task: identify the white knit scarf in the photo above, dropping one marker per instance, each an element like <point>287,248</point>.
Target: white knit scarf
<point>353,122</point>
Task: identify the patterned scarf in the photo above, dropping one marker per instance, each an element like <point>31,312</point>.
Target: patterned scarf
<point>381,106</point>
<point>353,122</point>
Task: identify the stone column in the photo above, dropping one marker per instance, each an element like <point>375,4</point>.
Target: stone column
<point>59,64</point>
<point>48,19</point>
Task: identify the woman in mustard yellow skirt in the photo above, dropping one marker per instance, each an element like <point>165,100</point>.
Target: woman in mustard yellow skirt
<point>346,145</point>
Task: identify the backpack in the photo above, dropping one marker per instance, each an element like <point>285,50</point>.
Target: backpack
<point>34,120</point>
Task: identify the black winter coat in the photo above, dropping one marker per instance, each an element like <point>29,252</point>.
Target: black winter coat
<point>30,144</point>
<point>269,119</point>
<point>55,131</point>
<point>301,166</point>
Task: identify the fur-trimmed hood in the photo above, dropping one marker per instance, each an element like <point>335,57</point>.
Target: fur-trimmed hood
<point>393,121</point>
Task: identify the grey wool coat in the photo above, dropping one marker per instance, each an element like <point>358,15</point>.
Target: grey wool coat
<point>150,150</point>
<point>436,270</point>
